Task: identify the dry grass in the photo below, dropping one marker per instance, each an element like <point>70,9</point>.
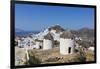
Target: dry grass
<point>89,56</point>
<point>52,56</point>
<point>39,56</point>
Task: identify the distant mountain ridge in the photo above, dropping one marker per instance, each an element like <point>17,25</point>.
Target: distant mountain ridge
<point>20,32</point>
<point>82,32</point>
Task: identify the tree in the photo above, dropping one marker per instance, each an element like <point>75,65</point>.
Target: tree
<point>81,56</point>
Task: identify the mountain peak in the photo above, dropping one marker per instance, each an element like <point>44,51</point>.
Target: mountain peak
<point>57,27</point>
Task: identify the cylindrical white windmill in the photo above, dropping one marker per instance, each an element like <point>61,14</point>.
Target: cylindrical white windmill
<point>48,42</point>
<point>39,44</point>
<point>66,43</point>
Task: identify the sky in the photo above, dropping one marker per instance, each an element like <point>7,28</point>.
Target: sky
<point>38,17</point>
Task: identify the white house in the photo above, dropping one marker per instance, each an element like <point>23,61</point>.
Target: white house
<point>66,43</point>
<point>91,48</point>
<point>19,43</point>
<point>48,42</point>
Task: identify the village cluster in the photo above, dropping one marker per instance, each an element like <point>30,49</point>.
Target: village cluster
<point>48,39</point>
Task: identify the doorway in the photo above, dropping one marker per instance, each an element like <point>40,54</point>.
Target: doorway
<point>40,47</point>
<point>69,50</point>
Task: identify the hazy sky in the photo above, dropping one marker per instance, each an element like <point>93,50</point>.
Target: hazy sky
<point>37,17</point>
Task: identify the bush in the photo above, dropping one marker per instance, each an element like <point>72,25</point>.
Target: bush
<point>33,60</point>
<point>81,56</point>
<point>90,56</point>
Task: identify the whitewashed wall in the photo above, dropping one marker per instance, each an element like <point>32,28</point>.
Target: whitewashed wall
<point>65,44</point>
<point>47,44</point>
<point>53,31</point>
<point>19,43</point>
<point>37,45</point>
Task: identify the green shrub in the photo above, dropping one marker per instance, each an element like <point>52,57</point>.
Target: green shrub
<point>81,56</point>
<point>33,60</point>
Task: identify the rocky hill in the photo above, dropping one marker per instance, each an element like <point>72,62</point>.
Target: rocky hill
<point>84,33</point>
<point>58,28</point>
